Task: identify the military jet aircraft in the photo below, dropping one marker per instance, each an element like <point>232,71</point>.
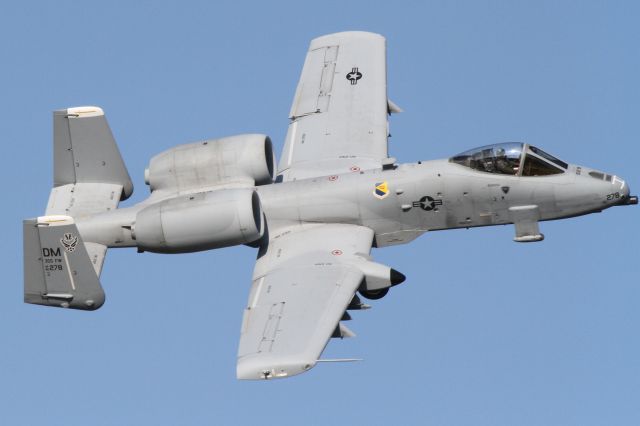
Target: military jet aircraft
<point>336,193</point>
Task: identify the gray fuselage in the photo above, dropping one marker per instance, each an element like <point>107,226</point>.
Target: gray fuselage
<point>415,198</point>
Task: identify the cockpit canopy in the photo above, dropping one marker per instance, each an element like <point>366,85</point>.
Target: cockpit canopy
<point>512,158</point>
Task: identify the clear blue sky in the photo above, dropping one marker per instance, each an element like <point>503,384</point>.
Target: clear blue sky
<point>483,332</point>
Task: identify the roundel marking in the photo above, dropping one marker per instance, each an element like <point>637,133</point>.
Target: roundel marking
<point>354,76</point>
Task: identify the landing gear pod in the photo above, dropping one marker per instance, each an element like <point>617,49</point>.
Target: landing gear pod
<point>525,219</point>
<point>378,279</point>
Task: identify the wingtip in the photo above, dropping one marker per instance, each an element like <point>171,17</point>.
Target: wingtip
<point>347,37</point>
<point>251,368</point>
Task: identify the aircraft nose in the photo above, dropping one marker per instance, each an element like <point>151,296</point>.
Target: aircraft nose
<point>625,191</point>
<point>622,188</point>
<point>612,189</point>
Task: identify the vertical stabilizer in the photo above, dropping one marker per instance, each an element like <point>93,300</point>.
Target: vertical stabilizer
<point>57,268</point>
<point>89,175</point>
<point>85,151</point>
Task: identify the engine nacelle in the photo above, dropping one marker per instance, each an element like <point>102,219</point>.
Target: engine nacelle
<point>246,159</point>
<point>201,221</point>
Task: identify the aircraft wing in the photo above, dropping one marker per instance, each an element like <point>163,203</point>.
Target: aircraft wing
<point>340,109</point>
<point>303,282</point>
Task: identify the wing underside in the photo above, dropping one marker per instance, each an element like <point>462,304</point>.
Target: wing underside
<point>302,286</point>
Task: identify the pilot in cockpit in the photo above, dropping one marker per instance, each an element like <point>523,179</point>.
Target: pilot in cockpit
<point>503,165</point>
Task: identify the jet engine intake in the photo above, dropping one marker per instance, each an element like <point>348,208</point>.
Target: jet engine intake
<point>201,221</point>
<point>243,159</point>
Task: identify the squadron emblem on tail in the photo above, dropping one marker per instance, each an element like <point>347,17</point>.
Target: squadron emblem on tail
<point>69,241</point>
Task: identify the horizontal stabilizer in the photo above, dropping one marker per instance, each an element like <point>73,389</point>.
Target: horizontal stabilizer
<point>57,269</point>
<point>83,199</point>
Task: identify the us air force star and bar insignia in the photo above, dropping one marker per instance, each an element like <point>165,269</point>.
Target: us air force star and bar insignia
<point>69,241</point>
<point>354,75</point>
<point>381,190</point>
<point>427,203</point>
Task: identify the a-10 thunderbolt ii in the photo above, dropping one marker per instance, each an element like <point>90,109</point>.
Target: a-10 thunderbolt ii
<point>335,195</point>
